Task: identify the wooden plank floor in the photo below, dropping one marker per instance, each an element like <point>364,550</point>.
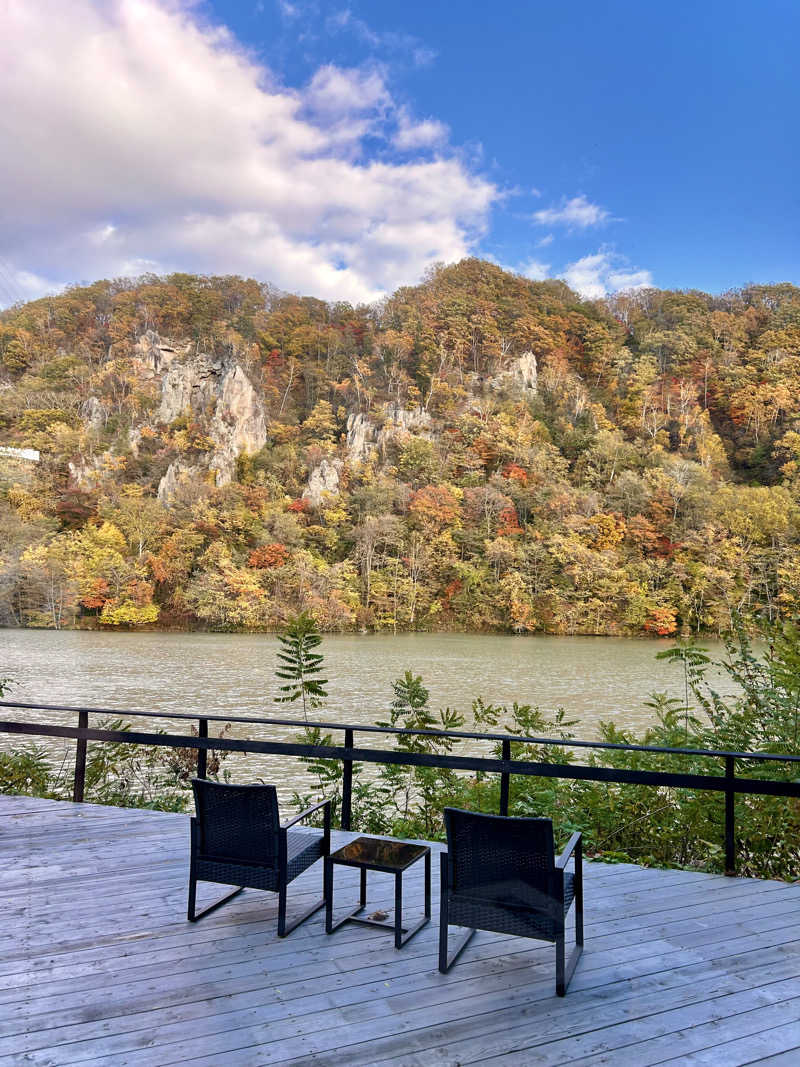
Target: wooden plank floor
<point>99,966</point>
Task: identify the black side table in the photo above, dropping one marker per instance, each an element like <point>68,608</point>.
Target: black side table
<point>390,857</point>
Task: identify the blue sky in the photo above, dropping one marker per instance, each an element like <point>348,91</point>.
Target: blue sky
<point>339,148</point>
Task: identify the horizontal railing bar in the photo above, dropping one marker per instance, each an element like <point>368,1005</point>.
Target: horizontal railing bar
<point>366,728</point>
<point>669,779</point>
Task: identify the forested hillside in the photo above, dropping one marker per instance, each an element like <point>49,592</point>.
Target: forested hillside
<point>478,452</point>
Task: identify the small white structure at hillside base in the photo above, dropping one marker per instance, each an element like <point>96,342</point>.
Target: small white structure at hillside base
<point>30,454</point>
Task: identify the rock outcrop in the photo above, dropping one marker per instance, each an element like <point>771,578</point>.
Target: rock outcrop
<point>95,413</point>
<point>216,390</point>
<point>525,371</point>
<point>364,435</point>
<point>361,435</point>
<point>157,353</point>
<point>178,476</point>
<point>324,478</point>
<point>87,471</point>
<point>522,373</point>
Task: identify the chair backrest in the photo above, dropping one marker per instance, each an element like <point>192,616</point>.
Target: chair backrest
<point>237,823</point>
<point>489,852</point>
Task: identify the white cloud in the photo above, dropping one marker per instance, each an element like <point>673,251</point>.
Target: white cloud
<point>577,213</point>
<point>346,20</point>
<point>134,133</point>
<point>21,285</point>
<point>604,272</point>
<point>543,242</point>
<point>412,136</point>
<point>287,9</point>
<point>403,44</point>
<point>535,270</point>
<point>631,279</point>
<point>340,91</point>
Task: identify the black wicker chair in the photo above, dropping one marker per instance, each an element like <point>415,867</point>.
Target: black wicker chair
<point>502,874</point>
<point>237,839</point>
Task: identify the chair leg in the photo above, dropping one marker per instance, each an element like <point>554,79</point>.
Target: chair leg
<point>561,984</point>
<point>445,961</point>
<point>193,915</point>
<point>565,968</point>
<point>190,909</point>
<point>282,911</point>
<point>283,929</point>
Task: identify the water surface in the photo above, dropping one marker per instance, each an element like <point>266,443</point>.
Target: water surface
<point>593,678</point>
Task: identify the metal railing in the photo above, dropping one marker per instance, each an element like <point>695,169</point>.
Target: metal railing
<point>728,783</point>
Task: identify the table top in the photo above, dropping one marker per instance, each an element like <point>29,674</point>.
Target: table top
<point>376,853</point>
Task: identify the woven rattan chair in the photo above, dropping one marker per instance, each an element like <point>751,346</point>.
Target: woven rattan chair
<point>237,839</point>
<point>502,874</point>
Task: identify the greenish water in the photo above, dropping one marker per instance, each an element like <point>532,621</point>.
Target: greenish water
<point>594,678</point>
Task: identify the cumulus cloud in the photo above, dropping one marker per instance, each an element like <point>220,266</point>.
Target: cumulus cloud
<point>136,136</point>
<point>577,213</point>
<point>339,91</point>
<point>535,270</point>
<point>604,272</point>
<point>412,136</point>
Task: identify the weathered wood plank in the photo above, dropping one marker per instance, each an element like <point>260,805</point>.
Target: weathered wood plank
<point>100,967</point>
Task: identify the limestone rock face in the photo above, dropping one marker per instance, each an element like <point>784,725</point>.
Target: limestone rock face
<point>217,391</point>
<point>324,478</point>
<point>363,435</point>
<point>522,373</point>
<point>157,353</point>
<point>95,412</point>
<point>406,420</point>
<point>178,475</point>
<point>87,471</point>
<point>525,371</point>
<point>239,423</point>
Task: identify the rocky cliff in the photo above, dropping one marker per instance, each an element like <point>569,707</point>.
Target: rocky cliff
<point>214,390</point>
<point>365,434</point>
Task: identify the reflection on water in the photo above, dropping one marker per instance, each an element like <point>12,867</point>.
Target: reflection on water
<point>594,678</point>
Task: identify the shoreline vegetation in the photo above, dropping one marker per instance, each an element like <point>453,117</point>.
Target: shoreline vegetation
<point>478,453</point>
<point>94,627</point>
<point>623,823</point>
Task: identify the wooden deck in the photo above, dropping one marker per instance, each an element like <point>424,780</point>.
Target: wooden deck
<point>99,966</point>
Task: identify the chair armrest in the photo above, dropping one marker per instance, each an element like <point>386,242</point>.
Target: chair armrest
<point>307,812</point>
<point>575,842</point>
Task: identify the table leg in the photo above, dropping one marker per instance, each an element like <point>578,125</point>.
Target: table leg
<point>428,885</point>
<point>328,878</point>
<point>398,910</point>
<point>363,887</point>
<point>402,936</point>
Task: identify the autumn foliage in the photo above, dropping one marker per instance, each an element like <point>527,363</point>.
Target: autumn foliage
<point>642,476</point>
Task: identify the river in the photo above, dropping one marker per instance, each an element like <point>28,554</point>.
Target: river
<point>593,678</point>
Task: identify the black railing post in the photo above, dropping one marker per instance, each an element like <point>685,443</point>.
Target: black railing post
<point>202,753</point>
<point>347,783</point>
<point>79,783</point>
<point>730,829</point>
<point>505,779</point>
